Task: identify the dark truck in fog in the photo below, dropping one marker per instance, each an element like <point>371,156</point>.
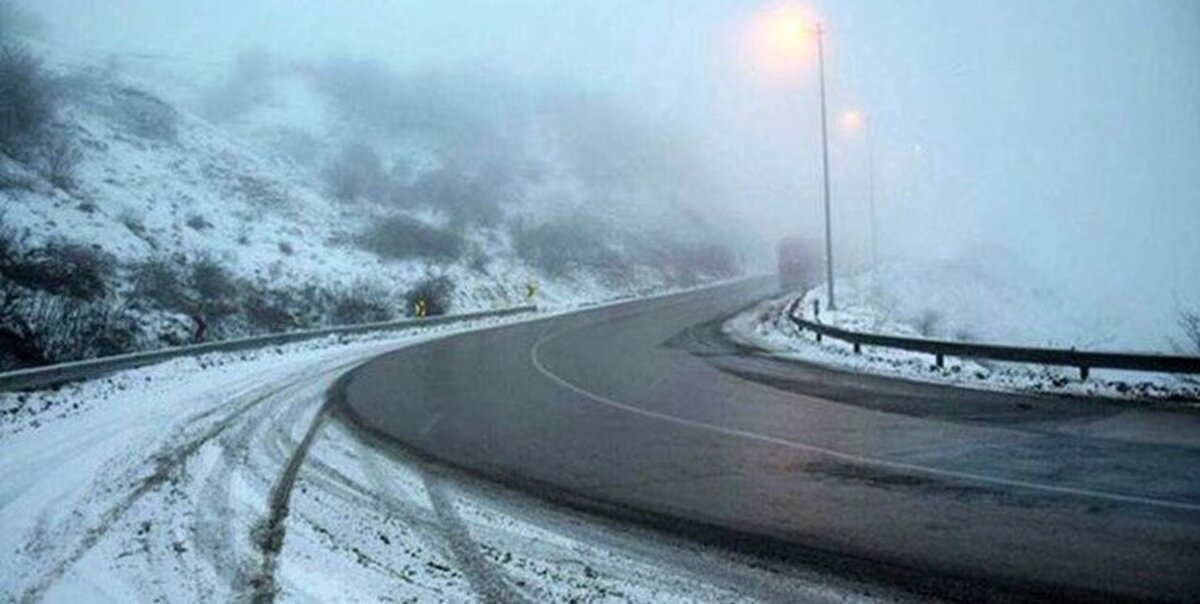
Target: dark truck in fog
<point>797,264</point>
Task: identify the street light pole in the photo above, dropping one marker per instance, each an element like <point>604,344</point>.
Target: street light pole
<point>825,167</point>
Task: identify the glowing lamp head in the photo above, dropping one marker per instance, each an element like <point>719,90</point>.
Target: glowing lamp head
<point>789,33</point>
<point>853,121</point>
<point>782,41</point>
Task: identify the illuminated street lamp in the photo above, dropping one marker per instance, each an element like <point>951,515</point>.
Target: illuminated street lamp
<point>782,43</point>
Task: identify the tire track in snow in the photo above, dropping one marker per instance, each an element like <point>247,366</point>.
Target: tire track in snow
<point>485,578</point>
<point>57,542</point>
<point>487,582</point>
<point>266,436</point>
<point>166,463</point>
<point>269,534</point>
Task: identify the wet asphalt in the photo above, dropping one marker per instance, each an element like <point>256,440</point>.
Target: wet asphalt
<point>644,411</point>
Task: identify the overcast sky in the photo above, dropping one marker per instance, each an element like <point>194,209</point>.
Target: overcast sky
<point>1065,130</point>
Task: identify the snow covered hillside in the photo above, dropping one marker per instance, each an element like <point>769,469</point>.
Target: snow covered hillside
<point>315,194</point>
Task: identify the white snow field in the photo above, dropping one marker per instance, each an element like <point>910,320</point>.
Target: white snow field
<point>982,301</point>
<point>156,484</point>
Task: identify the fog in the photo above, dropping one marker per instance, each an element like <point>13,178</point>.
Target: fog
<point>1064,133</point>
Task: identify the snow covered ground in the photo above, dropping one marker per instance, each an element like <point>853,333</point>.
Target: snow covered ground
<point>968,308</point>
<point>160,484</point>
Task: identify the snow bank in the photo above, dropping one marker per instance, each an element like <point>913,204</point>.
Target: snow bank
<point>980,313</point>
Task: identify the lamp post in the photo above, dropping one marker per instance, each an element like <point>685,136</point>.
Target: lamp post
<point>782,43</point>
<point>820,33</point>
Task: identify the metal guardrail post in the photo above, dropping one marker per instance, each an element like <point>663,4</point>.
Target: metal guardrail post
<point>1084,361</point>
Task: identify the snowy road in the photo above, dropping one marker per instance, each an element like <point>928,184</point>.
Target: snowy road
<point>190,481</point>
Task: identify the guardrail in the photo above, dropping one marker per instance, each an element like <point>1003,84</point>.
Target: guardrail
<point>40,377</point>
<point>1085,361</point>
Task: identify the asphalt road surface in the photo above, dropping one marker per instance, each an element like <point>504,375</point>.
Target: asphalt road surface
<point>643,411</point>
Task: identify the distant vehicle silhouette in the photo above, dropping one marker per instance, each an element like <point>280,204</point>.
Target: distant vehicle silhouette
<point>797,264</point>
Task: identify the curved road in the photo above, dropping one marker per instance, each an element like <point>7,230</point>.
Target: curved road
<point>643,411</point>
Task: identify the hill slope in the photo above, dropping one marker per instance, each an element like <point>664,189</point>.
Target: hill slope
<point>165,219</point>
